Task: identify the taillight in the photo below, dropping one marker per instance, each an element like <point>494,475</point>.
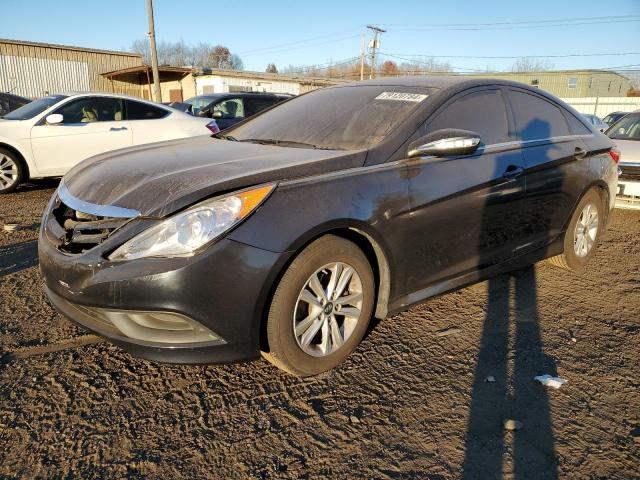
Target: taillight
<point>615,154</point>
<point>213,126</point>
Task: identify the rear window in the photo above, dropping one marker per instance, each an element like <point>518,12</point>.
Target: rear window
<point>143,111</point>
<point>536,118</point>
<point>345,118</point>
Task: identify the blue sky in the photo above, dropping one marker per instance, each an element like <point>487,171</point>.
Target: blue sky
<point>303,33</point>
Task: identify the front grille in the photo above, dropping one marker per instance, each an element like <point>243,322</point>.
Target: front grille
<point>630,171</point>
<point>83,231</point>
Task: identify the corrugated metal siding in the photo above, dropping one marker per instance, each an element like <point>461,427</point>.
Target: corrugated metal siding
<point>31,70</point>
<point>586,83</point>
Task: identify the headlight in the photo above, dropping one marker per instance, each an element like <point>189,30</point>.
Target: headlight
<point>183,234</point>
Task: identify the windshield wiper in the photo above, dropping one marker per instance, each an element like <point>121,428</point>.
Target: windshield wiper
<point>222,136</point>
<point>285,143</point>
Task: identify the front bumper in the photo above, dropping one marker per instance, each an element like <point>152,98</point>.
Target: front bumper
<point>224,288</point>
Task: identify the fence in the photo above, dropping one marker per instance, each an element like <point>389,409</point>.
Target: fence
<point>601,106</point>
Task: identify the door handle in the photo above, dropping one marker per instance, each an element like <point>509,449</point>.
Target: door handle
<point>117,129</point>
<point>513,171</point>
<point>580,152</point>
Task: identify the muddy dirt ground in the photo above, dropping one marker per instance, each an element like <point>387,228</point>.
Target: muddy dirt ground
<point>413,401</point>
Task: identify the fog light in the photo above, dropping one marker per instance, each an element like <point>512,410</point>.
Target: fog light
<point>157,327</point>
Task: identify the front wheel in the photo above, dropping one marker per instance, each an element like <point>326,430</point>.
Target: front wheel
<point>583,233</point>
<point>321,308</point>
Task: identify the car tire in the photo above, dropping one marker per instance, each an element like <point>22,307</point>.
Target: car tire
<point>296,310</point>
<point>12,171</point>
<point>582,228</point>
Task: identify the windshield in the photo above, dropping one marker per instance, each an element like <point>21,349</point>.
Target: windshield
<point>628,128</point>
<point>34,108</point>
<point>612,117</point>
<point>340,118</point>
<point>199,102</point>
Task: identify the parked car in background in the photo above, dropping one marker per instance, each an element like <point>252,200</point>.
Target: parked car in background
<point>47,137</point>
<point>613,117</point>
<point>286,234</point>
<point>229,108</point>
<point>596,122</point>
<point>626,135</point>
<point>9,102</point>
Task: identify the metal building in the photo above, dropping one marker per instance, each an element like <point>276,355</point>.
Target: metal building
<point>571,83</point>
<point>223,81</point>
<point>34,69</point>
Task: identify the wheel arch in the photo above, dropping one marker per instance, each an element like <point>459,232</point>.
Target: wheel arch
<point>373,249</point>
<point>21,158</point>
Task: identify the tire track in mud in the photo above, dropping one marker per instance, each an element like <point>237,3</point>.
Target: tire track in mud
<point>72,343</point>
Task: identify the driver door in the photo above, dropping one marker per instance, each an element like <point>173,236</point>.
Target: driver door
<point>466,209</point>
<point>91,125</point>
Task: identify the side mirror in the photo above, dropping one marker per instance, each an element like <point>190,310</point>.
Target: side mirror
<point>54,119</point>
<point>216,114</point>
<point>441,143</point>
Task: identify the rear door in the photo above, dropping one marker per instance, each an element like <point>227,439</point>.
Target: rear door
<point>91,125</point>
<point>466,210</point>
<point>555,163</point>
<point>254,105</point>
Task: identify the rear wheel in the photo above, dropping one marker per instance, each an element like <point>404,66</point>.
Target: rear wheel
<point>321,308</point>
<point>583,234</point>
<point>11,171</point>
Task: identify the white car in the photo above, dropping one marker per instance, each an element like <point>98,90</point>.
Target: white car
<point>626,134</point>
<point>47,137</point>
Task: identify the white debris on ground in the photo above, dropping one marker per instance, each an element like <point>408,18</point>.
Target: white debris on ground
<point>550,381</point>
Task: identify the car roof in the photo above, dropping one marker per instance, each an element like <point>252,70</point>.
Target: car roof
<point>440,82</point>
<point>236,94</point>
<point>114,95</point>
<point>13,95</point>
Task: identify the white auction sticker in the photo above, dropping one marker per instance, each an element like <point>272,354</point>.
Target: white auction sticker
<point>402,97</point>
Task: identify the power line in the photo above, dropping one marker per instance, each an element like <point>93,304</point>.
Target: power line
<point>533,23</point>
<point>517,56</point>
<point>296,42</point>
<point>523,22</point>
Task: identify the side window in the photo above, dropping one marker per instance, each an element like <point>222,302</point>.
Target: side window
<point>91,109</point>
<point>142,111</point>
<point>472,112</point>
<point>230,108</point>
<point>536,119</point>
<point>256,105</point>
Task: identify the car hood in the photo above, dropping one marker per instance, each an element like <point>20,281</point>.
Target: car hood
<point>630,150</point>
<point>160,178</point>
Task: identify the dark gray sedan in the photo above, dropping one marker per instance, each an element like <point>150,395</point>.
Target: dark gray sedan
<point>286,234</point>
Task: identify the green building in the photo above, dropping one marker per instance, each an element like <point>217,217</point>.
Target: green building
<point>572,83</point>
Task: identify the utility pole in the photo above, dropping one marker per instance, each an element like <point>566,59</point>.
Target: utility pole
<point>373,46</point>
<point>362,53</point>
<point>154,53</point>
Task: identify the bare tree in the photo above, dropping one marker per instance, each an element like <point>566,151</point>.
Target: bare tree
<point>529,64</point>
<point>181,54</point>
<point>271,68</point>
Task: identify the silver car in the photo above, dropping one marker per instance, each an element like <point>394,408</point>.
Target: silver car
<point>596,122</point>
<point>626,135</point>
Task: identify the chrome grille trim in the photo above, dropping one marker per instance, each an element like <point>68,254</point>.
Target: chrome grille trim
<point>93,209</point>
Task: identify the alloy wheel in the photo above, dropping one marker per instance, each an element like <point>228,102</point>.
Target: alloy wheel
<point>586,230</point>
<point>328,309</point>
<point>8,172</point>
